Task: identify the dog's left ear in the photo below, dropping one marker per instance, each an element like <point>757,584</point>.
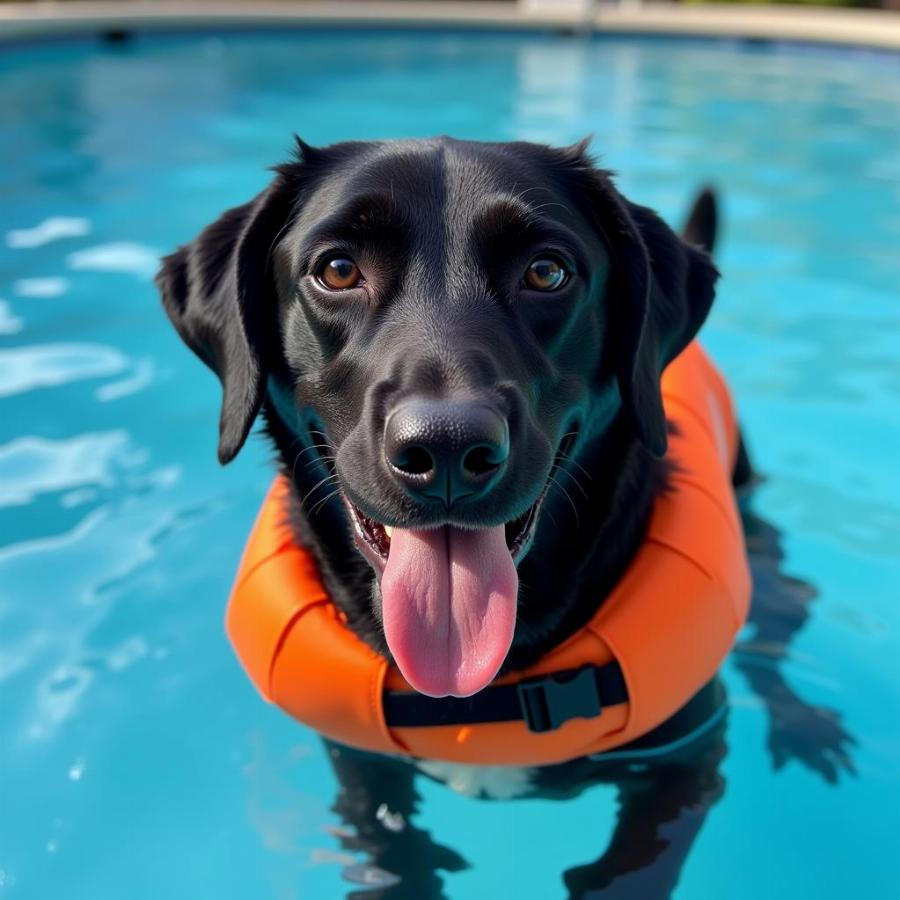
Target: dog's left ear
<point>664,289</point>
<point>219,294</point>
<point>659,293</point>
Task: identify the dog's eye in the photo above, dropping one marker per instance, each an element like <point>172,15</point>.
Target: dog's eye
<point>339,274</point>
<point>545,274</point>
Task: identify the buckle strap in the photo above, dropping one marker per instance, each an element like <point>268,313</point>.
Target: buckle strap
<point>544,703</point>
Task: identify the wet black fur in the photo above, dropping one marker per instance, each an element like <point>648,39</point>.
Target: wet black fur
<point>592,355</point>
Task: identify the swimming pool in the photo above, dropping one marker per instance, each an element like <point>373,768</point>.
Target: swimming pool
<point>135,758</point>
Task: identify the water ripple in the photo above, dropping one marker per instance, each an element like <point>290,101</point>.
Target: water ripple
<point>9,322</point>
<point>32,465</point>
<point>51,229</point>
<point>49,365</point>
<point>43,288</point>
<point>109,545</point>
<point>144,373</point>
<point>134,259</point>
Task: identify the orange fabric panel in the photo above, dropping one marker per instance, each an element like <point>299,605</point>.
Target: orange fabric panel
<point>275,581</point>
<point>333,686</point>
<point>512,744</point>
<point>669,648</point>
<point>692,381</point>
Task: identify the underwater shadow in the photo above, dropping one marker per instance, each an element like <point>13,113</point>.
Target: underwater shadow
<point>667,782</point>
<point>781,606</point>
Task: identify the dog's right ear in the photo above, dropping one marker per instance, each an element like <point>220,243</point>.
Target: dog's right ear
<point>219,293</point>
<point>660,291</point>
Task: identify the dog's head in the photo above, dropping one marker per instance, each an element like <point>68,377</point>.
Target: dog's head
<point>443,324</point>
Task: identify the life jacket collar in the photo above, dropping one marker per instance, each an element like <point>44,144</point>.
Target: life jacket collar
<point>653,643</point>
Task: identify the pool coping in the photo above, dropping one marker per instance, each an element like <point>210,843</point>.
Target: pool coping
<point>878,29</point>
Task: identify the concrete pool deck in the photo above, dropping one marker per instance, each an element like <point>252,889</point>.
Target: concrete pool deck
<point>854,28</point>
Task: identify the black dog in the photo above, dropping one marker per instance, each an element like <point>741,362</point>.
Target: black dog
<point>452,325</point>
<point>457,349</point>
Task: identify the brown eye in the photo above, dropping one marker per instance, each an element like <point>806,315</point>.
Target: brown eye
<point>339,274</point>
<point>545,274</point>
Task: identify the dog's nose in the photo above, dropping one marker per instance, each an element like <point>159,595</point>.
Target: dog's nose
<point>444,449</point>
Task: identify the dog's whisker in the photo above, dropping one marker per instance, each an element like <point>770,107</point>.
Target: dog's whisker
<point>317,504</point>
<point>294,467</point>
<point>551,203</point>
<point>329,458</point>
<point>325,456</point>
<point>330,477</point>
<point>317,447</point>
<point>571,459</point>
<point>521,195</point>
<point>277,238</point>
<point>576,482</point>
<point>294,442</point>
<point>568,497</point>
<point>311,463</point>
<point>324,500</point>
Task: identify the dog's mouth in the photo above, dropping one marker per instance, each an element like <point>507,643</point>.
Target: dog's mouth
<point>373,538</point>
<point>449,592</point>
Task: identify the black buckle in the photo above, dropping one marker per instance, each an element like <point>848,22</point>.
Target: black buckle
<point>551,700</point>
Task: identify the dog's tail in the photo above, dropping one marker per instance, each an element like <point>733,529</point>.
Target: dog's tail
<point>702,224</point>
<point>700,230</point>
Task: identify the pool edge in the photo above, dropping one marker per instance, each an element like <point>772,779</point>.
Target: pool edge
<point>873,29</point>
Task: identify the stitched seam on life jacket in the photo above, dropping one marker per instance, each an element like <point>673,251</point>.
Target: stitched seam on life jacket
<point>701,420</point>
<point>376,691</point>
<point>620,659</point>
<point>282,639</point>
<point>245,576</point>
<point>731,517</point>
<point>585,749</point>
<point>661,542</point>
<point>727,590</point>
<point>373,699</point>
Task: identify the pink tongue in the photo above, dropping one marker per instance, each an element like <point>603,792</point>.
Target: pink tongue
<point>449,606</point>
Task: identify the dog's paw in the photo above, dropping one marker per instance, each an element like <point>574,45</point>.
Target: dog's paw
<point>815,737</point>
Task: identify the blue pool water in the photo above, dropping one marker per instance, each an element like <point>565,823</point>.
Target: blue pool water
<point>135,758</point>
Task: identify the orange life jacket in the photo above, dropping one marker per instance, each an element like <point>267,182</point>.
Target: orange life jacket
<point>662,632</point>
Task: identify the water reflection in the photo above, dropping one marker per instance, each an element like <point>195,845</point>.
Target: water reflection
<point>50,365</point>
<point>9,322</point>
<point>30,466</point>
<point>45,288</point>
<point>122,256</point>
<point>666,784</point>
<point>809,734</point>
<point>52,229</point>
